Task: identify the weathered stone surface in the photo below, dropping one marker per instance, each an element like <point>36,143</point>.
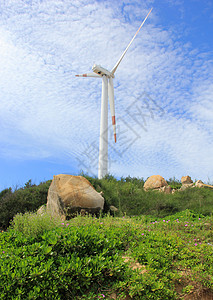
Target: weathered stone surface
<point>166,189</point>
<point>41,210</point>
<point>68,194</point>
<point>200,184</point>
<point>155,182</point>
<point>186,186</point>
<point>186,180</point>
<point>208,186</point>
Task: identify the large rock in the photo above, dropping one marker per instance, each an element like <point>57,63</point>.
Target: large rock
<point>186,186</point>
<point>166,189</point>
<point>155,182</point>
<point>68,194</point>
<point>200,184</point>
<point>186,180</point>
<point>186,183</point>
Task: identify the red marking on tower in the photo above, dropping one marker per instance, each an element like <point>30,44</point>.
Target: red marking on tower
<point>113,120</point>
<point>84,75</point>
<point>115,137</point>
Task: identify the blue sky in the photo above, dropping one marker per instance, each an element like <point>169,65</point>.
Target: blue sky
<point>49,119</point>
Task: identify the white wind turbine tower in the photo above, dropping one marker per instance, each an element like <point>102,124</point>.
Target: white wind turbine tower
<point>107,91</point>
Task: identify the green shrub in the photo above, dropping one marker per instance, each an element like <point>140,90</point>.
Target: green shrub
<point>33,224</point>
<point>174,183</point>
<point>128,196</point>
<point>89,258</point>
<point>29,198</point>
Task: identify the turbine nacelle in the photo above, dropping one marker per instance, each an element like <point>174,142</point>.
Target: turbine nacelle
<point>101,71</point>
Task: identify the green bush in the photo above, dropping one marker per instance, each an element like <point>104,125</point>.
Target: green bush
<point>130,198</point>
<point>32,224</point>
<point>22,200</point>
<point>174,183</point>
<point>89,258</point>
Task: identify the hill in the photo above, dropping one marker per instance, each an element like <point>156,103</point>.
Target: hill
<point>126,194</point>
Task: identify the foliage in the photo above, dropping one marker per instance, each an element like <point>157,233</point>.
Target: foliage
<point>31,224</point>
<point>129,197</point>
<point>126,194</point>
<point>174,183</point>
<point>88,258</point>
<point>28,198</point>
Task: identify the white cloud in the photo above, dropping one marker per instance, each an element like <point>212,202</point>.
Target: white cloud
<point>46,112</point>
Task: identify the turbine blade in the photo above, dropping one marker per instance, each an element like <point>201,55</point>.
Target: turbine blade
<point>89,75</point>
<point>122,56</point>
<point>112,104</point>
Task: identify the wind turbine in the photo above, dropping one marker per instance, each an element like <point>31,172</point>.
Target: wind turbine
<point>107,91</point>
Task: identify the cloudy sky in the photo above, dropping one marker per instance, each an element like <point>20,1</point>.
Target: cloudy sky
<point>50,119</point>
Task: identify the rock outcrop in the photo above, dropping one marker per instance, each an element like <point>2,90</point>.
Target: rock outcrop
<point>186,180</point>
<point>155,182</point>
<point>200,184</point>
<point>166,189</point>
<point>69,194</point>
<point>186,183</point>
<point>186,186</point>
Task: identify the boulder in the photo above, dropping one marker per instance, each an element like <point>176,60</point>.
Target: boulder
<point>186,180</point>
<point>186,186</point>
<point>69,194</point>
<point>166,189</point>
<point>155,182</point>
<point>208,186</point>
<point>200,184</point>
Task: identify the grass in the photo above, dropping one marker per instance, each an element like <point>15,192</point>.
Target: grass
<point>141,257</point>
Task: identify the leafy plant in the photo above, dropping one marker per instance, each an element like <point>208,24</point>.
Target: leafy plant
<point>28,198</point>
<point>141,257</point>
<point>31,224</point>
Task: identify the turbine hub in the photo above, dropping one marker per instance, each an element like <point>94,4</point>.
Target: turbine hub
<point>101,71</point>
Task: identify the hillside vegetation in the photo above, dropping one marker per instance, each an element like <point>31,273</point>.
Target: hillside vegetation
<point>156,246</point>
<point>107,258</point>
<point>28,198</point>
<point>126,194</point>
